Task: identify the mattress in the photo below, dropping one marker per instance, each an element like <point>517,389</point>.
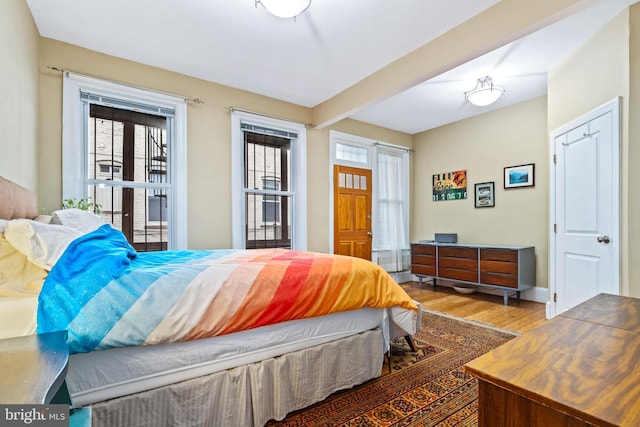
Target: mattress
<point>102,375</point>
<point>18,316</point>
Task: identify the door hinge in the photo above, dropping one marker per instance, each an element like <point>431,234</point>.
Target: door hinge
<point>555,297</point>
<point>554,159</point>
<point>555,228</point>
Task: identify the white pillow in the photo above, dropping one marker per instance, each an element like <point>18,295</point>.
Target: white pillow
<point>83,221</point>
<point>42,243</point>
<point>46,219</point>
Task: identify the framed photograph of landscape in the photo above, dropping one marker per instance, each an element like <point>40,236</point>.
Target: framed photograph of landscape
<point>485,195</point>
<point>519,176</point>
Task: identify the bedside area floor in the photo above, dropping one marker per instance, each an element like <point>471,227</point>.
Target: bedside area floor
<point>517,316</point>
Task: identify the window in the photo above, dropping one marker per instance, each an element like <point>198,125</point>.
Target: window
<point>391,209</point>
<point>269,201</point>
<point>125,149</point>
<point>352,153</point>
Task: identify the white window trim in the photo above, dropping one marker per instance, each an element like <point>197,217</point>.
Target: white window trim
<point>74,150</point>
<point>299,174</point>
<point>373,145</point>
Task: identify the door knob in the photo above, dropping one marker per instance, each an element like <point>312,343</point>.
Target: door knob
<point>604,239</point>
<point>369,233</point>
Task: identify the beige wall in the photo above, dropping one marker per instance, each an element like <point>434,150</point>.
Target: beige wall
<point>209,136</point>
<point>484,145</point>
<point>19,88</point>
<point>603,65</point>
<point>600,64</point>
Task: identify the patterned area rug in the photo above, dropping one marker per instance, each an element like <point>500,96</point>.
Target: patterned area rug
<point>424,388</point>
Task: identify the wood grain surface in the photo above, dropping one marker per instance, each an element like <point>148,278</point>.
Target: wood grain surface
<point>582,364</point>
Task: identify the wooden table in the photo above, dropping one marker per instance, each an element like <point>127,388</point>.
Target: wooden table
<point>32,368</point>
<point>581,368</point>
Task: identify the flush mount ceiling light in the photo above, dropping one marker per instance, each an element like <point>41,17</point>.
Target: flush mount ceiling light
<point>285,8</point>
<point>484,93</point>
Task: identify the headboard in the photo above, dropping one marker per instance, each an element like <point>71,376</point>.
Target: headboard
<point>16,201</point>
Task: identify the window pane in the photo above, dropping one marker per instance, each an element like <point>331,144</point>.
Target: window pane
<point>127,146</point>
<point>143,217</point>
<point>352,153</point>
<point>105,149</point>
<point>267,160</point>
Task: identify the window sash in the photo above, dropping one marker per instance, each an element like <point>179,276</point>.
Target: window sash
<point>75,128</point>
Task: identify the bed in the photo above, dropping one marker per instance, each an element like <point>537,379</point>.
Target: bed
<point>220,337</point>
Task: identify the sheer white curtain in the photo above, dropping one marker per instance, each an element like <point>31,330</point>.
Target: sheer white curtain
<point>391,228</point>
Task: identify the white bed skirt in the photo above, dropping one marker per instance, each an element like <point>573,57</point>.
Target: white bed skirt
<point>253,394</point>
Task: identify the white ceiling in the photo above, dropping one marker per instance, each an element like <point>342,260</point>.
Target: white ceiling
<point>327,49</point>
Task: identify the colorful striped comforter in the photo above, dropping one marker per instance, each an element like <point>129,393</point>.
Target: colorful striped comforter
<point>107,295</point>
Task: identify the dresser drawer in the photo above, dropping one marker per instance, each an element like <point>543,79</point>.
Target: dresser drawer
<point>499,280</point>
<point>457,274</point>
<point>423,250</point>
<point>506,255</point>
<point>510,268</point>
<point>424,270</point>
<point>429,260</point>
<point>455,252</point>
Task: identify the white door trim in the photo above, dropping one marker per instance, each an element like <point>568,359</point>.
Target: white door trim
<point>612,106</point>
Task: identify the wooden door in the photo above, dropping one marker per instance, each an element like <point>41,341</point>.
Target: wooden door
<point>352,211</point>
<point>586,208</point>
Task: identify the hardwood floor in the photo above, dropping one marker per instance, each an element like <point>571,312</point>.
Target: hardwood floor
<point>521,317</point>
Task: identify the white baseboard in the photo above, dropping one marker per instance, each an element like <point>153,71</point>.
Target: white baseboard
<point>403,276</point>
<point>536,294</point>
<point>550,309</point>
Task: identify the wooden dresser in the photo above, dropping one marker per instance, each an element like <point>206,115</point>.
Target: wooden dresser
<point>578,369</point>
<point>508,268</point>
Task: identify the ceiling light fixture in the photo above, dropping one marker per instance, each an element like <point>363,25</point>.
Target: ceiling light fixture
<point>285,8</point>
<point>485,93</point>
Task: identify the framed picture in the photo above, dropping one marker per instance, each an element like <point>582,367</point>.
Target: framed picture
<point>519,176</point>
<point>449,186</point>
<point>485,195</point>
